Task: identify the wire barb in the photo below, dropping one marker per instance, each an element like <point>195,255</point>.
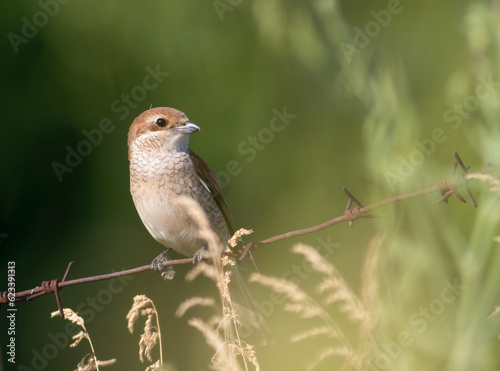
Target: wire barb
<point>49,287</point>
<point>354,213</point>
<point>66,274</point>
<point>450,186</point>
<point>246,250</point>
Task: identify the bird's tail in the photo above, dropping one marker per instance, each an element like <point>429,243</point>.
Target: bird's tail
<point>251,325</point>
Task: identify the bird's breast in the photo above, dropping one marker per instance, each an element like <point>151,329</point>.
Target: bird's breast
<point>156,182</point>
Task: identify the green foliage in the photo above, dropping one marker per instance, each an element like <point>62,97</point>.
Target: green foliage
<point>383,92</point>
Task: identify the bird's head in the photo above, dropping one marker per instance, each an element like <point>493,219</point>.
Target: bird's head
<point>160,126</point>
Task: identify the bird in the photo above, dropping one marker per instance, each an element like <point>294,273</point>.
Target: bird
<point>162,169</point>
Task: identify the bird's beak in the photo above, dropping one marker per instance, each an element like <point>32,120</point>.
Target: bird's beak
<point>188,128</point>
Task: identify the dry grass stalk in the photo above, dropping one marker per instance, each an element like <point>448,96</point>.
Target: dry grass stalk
<point>334,290</point>
<point>230,346</point>
<point>333,284</point>
<point>238,235</point>
<point>494,182</point>
<point>224,358</point>
<point>193,302</point>
<point>90,361</point>
<point>151,336</point>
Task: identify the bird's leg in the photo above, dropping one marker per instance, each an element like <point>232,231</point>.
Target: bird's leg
<point>201,255</point>
<point>157,265</point>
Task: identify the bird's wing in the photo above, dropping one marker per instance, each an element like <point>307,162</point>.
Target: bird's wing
<point>210,181</point>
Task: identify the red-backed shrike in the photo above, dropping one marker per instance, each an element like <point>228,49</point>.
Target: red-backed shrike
<point>162,169</point>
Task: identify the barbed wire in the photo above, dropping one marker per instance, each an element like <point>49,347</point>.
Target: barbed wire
<point>354,210</point>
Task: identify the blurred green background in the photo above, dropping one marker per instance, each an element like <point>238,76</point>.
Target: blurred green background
<point>367,83</point>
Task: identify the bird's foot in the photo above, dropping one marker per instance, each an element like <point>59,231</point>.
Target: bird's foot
<point>167,272</point>
<point>201,255</point>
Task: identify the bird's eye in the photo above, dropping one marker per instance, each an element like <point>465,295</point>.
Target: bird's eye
<point>161,122</point>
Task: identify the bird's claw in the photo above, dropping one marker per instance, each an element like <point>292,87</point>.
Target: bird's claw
<point>157,265</point>
<point>201,255</point>
<point>169,273</point>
